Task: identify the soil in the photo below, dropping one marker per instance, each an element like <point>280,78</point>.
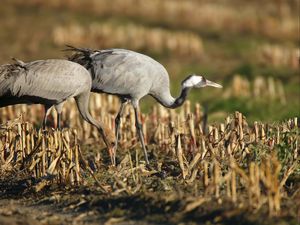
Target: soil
<point>157,198</point>
<point>20,204</point>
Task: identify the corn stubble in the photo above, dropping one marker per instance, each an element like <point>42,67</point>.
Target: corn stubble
<point>50,156</point>
<point>231,161</point>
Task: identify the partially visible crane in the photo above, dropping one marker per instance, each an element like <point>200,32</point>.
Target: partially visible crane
<point>131,76</point>
<point>50,82</point>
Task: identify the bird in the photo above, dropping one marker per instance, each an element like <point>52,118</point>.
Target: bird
<point>50,82</point>
<point>131,76</point>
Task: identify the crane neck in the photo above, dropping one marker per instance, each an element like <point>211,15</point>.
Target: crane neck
<point>168,101</point>
<point>181,98</point>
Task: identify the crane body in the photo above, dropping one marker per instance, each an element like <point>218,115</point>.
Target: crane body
<point>49,82</point>
<point>131,76</point>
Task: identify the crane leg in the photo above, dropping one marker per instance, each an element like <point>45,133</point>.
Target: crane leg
<point>47,112</point>
<point>117,126</point>
<point>82,101</point>
<point>140,132</point>
<point>118,120</point>
<point>59,108</point>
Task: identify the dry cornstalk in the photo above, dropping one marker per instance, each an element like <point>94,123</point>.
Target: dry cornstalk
<point>233,186</point>
<point>205,174</point>
<point>216,178</point>
<point>180,157</point>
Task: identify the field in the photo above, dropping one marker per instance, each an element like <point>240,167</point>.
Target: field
<point>227,156</point>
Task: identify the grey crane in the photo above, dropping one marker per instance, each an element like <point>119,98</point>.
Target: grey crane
<point>50,82</point>
<point>131,76</point>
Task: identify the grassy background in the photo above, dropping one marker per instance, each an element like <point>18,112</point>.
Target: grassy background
<point>27,33</point>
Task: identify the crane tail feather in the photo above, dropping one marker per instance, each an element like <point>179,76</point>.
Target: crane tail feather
<point>71,48</point>
<point>80,55</point>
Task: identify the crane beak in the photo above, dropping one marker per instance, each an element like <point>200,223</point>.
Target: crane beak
<point>213,84</point>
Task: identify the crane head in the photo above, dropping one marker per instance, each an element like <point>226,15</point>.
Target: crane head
<point>198,82</point>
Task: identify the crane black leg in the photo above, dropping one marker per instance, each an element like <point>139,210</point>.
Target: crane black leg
<point>58,121</point>
<point>47,111</point>
<point>117,126</point>
<point>140,133</point>
<point>59,111</point>
<point>82,101</point>
<point>118,120</point>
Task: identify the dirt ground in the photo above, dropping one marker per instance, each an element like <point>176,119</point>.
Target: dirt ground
<point>87,204</point>
<point>156,198</point>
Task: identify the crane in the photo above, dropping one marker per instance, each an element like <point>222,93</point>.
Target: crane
<point>50,82</point>
<point>131,76</point>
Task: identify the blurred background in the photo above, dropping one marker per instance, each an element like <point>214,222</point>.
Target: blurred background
<point>251,47</point>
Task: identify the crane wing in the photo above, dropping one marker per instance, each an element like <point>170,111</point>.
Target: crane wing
<point>55,80</point>
<point>8,74</point>
<point>121,71</point>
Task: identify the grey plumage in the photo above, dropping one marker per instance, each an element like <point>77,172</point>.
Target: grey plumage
<point>52,81</point>
<point>131,76</point>
<point>48,82</point>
